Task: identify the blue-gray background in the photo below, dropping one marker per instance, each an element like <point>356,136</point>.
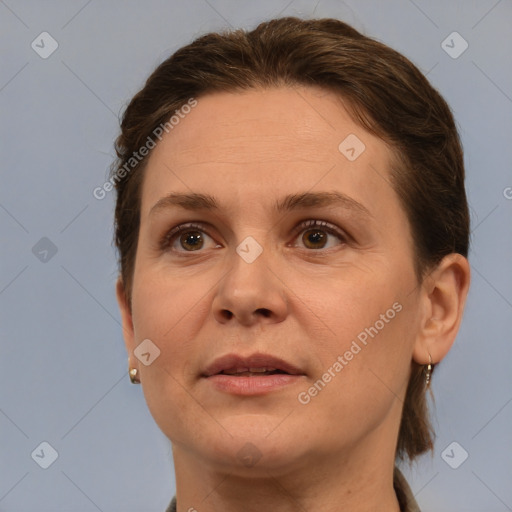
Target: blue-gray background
<point>63,366</point>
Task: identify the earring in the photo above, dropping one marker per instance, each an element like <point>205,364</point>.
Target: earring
<point>428,371</point>
<point>134,375</point>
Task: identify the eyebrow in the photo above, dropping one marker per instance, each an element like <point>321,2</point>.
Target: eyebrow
<point>207,202</point>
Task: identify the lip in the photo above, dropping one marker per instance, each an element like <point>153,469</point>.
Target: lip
<point>232,361</point>
<point>254,384</point>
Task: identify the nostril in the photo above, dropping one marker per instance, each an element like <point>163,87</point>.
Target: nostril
<point>227,314</point>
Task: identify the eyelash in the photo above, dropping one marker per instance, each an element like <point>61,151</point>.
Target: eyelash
<point>170,236</point>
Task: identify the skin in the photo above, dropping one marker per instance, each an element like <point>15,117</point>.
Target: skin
<point>299,300</point>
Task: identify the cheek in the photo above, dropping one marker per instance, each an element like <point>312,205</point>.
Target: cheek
<point>170,314</point>
<point>371,349</point>
<point>362,333</point>
<point>345,304</point>
<point>164,306</point>
<point>166,312</point>
<point>362,377</point>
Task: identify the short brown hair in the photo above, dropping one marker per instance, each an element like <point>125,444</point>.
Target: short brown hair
<point>386,94</point>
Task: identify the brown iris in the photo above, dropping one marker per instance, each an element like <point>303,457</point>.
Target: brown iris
<point>316,236</point>
<point>192,240</point>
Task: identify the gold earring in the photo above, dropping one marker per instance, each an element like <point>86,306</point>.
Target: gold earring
<point>134,376</point>
<point>428,371</point>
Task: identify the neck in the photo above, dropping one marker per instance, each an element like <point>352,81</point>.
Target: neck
<point>359,482</point>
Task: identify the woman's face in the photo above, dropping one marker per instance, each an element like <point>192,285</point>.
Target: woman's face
<point>307,258</point>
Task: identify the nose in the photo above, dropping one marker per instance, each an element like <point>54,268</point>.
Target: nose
<point>250,293</point>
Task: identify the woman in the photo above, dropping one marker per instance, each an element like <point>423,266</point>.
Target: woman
<point>293,229</point>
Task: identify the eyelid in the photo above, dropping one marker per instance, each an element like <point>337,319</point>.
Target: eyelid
<point>332,229</point>
<point>323,224</point>
<point>169,236</point>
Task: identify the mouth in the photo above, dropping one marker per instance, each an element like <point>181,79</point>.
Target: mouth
<point>251,372</point>
<point>255,365</point>
<point>254,375</point>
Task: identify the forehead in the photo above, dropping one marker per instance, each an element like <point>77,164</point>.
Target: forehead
<point>266,141</point>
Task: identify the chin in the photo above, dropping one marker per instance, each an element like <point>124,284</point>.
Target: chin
<point>254,445</point>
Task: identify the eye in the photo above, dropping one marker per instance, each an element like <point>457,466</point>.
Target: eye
<point>190,237</point>
<point>193,237</point>
<point>316,233</point>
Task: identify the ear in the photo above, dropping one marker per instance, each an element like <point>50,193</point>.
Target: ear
<point>444,294</point>
<point>127,323</point>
